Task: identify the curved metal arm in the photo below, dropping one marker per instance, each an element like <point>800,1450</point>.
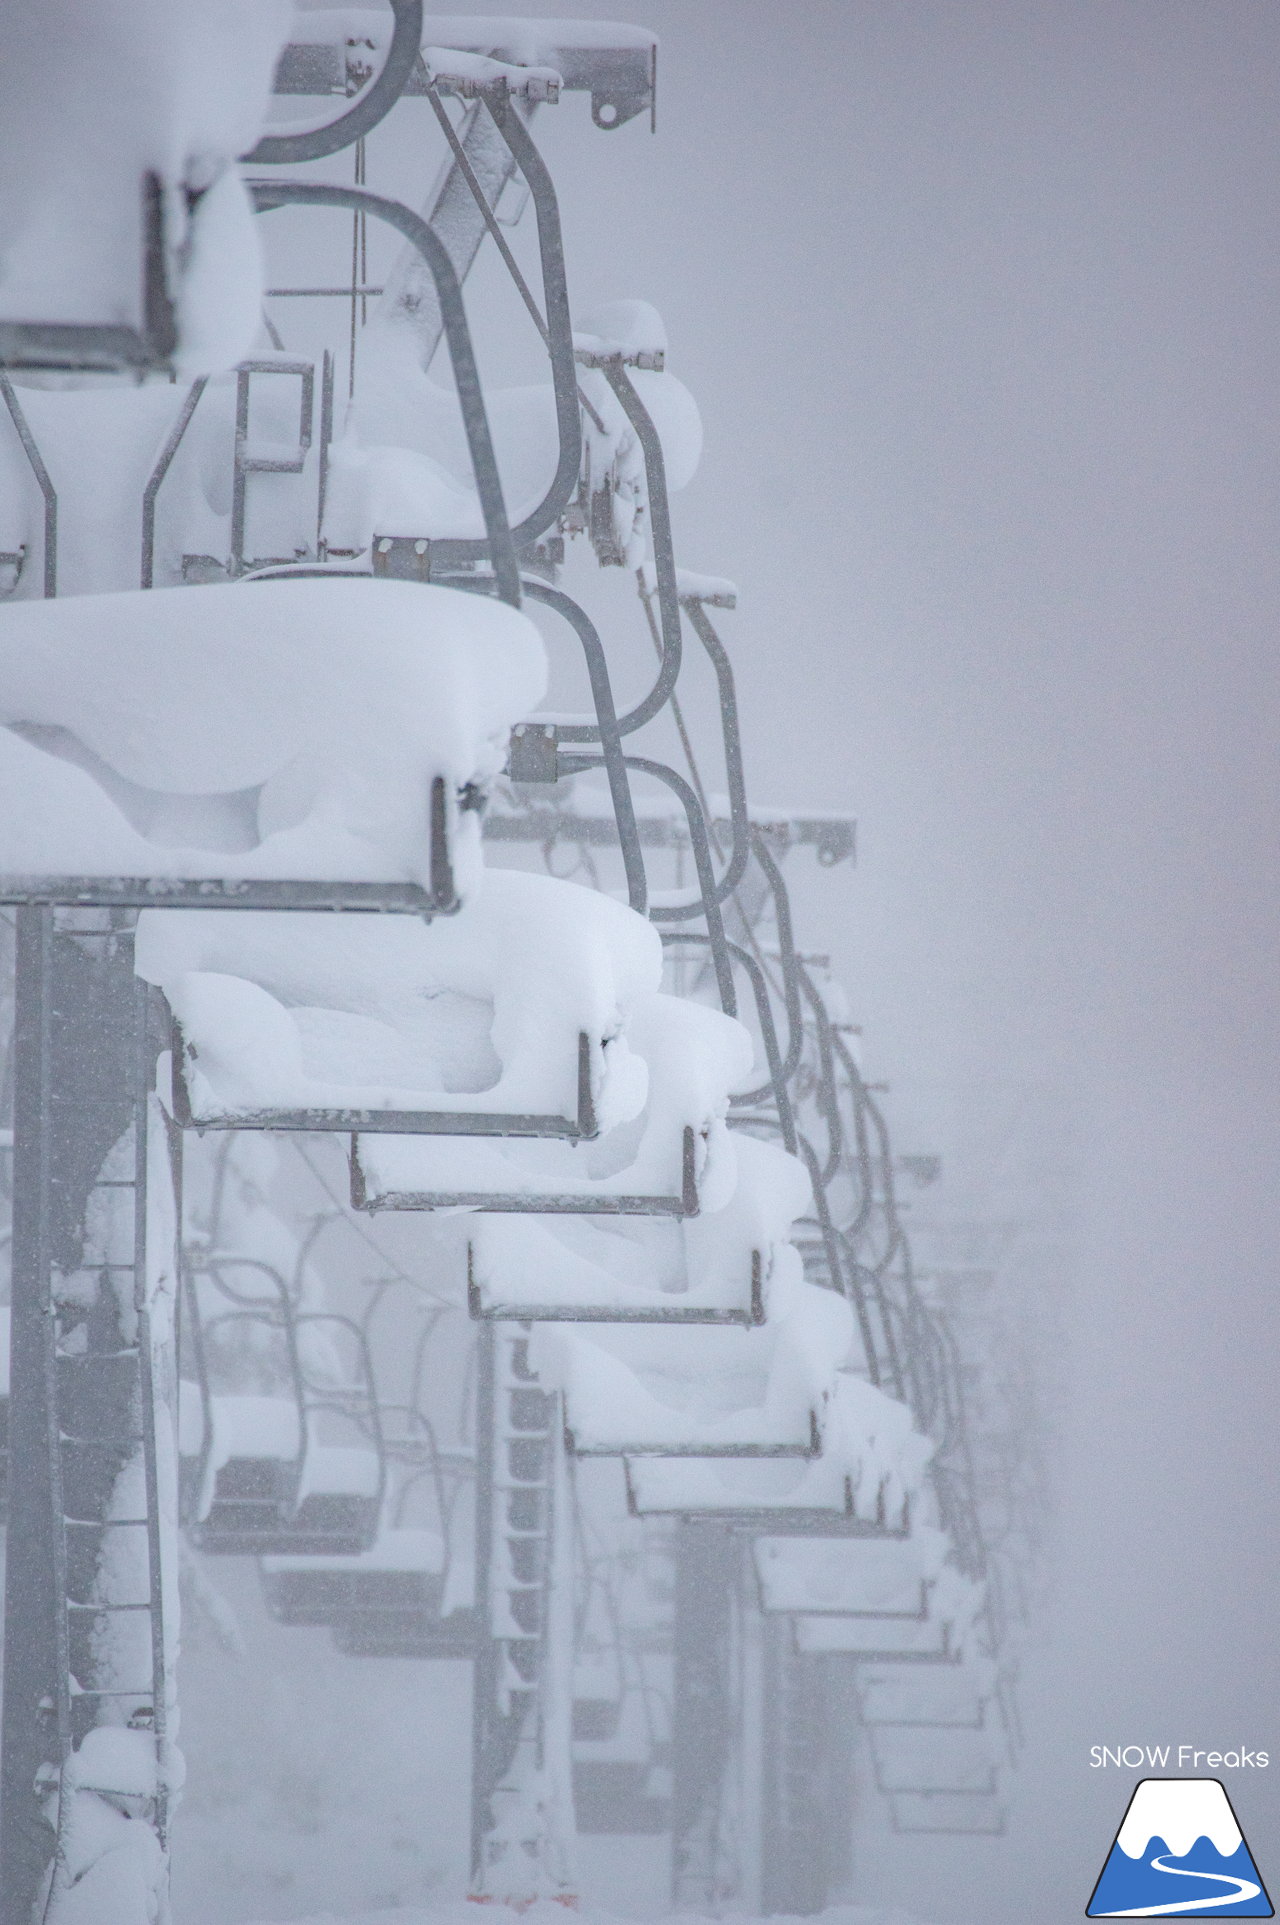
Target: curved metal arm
<point>828,1099</point>
<point>708,906</point>
<point>607,730</point>
<point>850,1288</point>
<point>664,561</point>
<point>377,100</point>
<point>734,774</point>
<point>559,323</point>
<point>787,953</point>
<point>777,1084</point>
<point>268,195</point>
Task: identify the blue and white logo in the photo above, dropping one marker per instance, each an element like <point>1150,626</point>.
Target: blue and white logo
<point>1180,1854</point>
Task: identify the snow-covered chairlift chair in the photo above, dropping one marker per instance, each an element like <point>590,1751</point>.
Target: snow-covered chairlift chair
<point>944,1636</point>
<point>280,1447</point>
<point>872,1465</point>
<point>668,1153</point>
<point>126,238</point>
<point>387,1601</point>
<point>872,1578</point>
<point>908,1694</point>
<point>157,750</point>
<point>506,1020</point>
<point>957,1814</point>
<point>411,1593</point>
<point>699,1393</point>
<point>621,1777</point>
<point>714,1268</point>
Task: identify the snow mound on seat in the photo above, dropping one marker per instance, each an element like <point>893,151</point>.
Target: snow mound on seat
<point>694,1057</point>
<point>480,1011</point>
<point>281,729</point>
<point>654,1264</point>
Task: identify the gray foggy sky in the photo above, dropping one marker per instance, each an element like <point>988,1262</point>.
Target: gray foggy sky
<point>979,303</point>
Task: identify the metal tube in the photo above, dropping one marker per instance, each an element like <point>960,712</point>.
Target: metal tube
<point>283,150</point>
<point>498,543</point>
<point>663,560</point>
<point>46,486</point>
<point>156,478</point>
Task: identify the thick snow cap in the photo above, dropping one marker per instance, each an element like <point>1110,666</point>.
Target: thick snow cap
<point>286,729</point>
<point>97,95</point>
<point>480,1011</point>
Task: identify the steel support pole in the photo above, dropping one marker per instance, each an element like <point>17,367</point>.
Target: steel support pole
<point>73,1388</point>
<point>32,1610</point>
<point>708,1565</point>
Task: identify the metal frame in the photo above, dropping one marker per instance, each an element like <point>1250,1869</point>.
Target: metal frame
<point>490,1123</point>
<point>751,1317</point>
<point>550,1203</point>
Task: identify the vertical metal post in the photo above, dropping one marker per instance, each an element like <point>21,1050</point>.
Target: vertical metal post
<point>80,1377</point>
<point>807,1790</point>
<point>484,1685</point>
<point>707,1579</point>
<point>30,1740</point>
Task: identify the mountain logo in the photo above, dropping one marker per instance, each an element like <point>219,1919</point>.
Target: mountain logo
<point>1180,1853</point>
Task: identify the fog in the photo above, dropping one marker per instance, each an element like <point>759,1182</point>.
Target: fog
<point>979,306</point>
<point>979,303</point>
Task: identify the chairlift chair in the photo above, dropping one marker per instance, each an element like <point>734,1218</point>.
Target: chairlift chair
<point>260,1472</point>
<point>745,1393</point>
<point>317,775</point>
<point>945,1636</point>
<point>956,1814</point>
<point>715,1268</point>
<point>670,1158</point>
<point>508,1020</point>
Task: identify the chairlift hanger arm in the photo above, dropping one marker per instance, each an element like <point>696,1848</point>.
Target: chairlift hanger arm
<point>374,104</point>
<point>734,773</point>
<point>498,544</point>
<point>777,1084</point>
<point>663,558</point>
<point>607,732</point>
<point>709,902</point>
<point>557,332</point>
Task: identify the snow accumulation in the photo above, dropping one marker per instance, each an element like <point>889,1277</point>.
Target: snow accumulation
<point>701,1389</point>
<point>310,758</point>
<point>648,1266</point>
<point>395,1550</point>
<point>174,89</point>
<point>954,1604</point>
<point>477,1012</point>
<point>872,1457</point>
<point>880,1576</point>
<point>906,1694</point>
<point>402,467</point>
<point>694,1057</point>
